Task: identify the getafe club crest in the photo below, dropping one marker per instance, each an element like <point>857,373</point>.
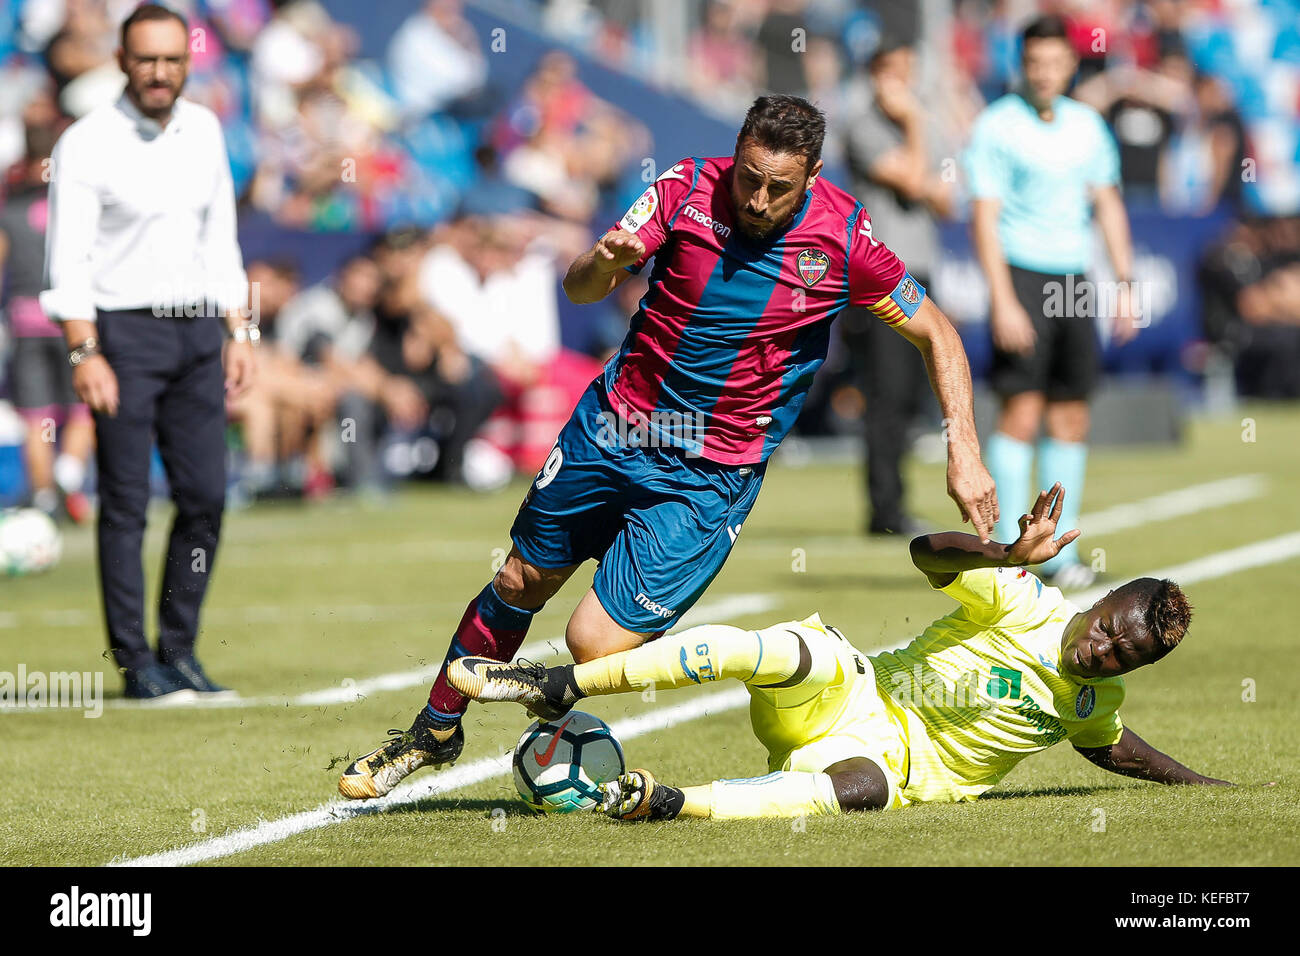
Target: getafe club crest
<point>1083,704</point>
<point>813,264</point>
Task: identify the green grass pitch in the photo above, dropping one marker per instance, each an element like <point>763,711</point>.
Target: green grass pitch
<point>310,598</point>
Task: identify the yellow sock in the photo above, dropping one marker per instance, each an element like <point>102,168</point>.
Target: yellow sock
<point>604,675</point>
<point>782,794</point>
<point>707,653</point>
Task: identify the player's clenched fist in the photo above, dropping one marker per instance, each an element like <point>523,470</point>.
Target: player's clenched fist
<point>617,250</point>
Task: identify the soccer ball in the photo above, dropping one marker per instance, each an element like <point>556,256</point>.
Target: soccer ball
<point>560,766</point>
<point>29,542</point>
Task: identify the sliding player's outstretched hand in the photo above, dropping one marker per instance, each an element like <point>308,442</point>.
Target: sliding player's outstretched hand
<point>616,250</point>
<point>1038,542</point>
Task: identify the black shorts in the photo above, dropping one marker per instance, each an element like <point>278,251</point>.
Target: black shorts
<point>39,374</point>
<point>1065,360</point>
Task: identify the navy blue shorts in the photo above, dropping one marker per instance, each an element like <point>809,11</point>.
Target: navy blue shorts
<point>660,523</point>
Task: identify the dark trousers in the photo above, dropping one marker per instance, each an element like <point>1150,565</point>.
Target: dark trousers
<point>171,386</point>
<point>897,389</point>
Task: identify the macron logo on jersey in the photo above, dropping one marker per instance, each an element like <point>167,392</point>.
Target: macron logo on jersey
<point>708,222</point>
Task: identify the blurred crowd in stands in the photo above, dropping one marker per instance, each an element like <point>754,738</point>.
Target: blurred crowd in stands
<point>437,349</point>
<point>1186,85</point>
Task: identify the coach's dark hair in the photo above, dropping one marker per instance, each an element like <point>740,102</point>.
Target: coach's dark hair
<point>785,124</point>
<point>1165,610</point>
<point>1047,27</point>
<point>150,11</point>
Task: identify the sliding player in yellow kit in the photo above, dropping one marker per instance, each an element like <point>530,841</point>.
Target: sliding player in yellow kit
<point>1014,670</point>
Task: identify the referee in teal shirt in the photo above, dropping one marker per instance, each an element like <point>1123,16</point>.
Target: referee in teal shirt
<point>1040,166</point>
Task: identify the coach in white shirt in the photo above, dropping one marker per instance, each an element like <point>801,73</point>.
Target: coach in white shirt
<point>144,271</point>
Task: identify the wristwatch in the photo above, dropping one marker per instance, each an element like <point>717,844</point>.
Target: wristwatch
<point>83,351</point>
<point>248,332</point>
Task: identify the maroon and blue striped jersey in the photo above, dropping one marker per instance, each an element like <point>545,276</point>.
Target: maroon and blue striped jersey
<point>722,350</point>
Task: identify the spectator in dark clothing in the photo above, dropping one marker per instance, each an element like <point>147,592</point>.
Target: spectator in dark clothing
<point>412,341</point>
<point>783,49</point>
<point>1250,289</point>
<point>896,175</point>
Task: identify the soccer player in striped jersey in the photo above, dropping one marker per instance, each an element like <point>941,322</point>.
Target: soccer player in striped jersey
<point>663,458</point>
<point>1014,670</point>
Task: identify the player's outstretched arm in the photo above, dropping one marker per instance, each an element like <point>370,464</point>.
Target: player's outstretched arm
<point>969,483</point>
<point>602,268</point>
<point>1132,756</point>
<point>943,555</point>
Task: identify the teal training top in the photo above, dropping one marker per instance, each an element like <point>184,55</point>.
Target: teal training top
<point>1042,173</point>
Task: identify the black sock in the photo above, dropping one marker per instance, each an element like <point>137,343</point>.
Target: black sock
<point>560,686</point>
<point>673,802</point>
<point>433,720</point>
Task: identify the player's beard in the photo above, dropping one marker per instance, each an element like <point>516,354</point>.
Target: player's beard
<point>749,231</point>
<point>769,228</point>
<point>156,100</point>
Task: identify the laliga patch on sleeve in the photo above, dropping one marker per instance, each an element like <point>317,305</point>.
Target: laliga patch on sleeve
<point>641,210</point>
<point>907,295</point>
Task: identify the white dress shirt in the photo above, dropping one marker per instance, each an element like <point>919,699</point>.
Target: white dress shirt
<point>511,310</point>
<point>141,216</point>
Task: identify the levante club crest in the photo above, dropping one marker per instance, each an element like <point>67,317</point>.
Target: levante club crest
<point>813,264</point>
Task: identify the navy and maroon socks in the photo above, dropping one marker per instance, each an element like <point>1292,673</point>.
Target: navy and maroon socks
<point>490,628</point>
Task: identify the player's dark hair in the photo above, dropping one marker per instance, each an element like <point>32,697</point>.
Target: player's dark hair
<point>1164,609</point>
<point>150,12</point>
<point>1047,27</point>
<point>889,43</point>
<point>785,124</point>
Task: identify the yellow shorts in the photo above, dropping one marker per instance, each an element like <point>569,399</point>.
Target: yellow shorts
<point>835,714</point>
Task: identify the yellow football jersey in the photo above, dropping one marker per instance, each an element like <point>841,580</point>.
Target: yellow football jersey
<point>981,689</point>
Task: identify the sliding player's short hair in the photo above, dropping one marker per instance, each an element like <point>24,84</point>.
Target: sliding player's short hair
<point>785,124</point>
<point>1165,611</point>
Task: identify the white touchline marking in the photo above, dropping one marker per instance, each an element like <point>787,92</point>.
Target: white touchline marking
<point>354,690</point>
<point>1174,504</point>
<point>255,614</point>
<point>1270,551</point>
<point>488,768</point>
<point>1178,503</point>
